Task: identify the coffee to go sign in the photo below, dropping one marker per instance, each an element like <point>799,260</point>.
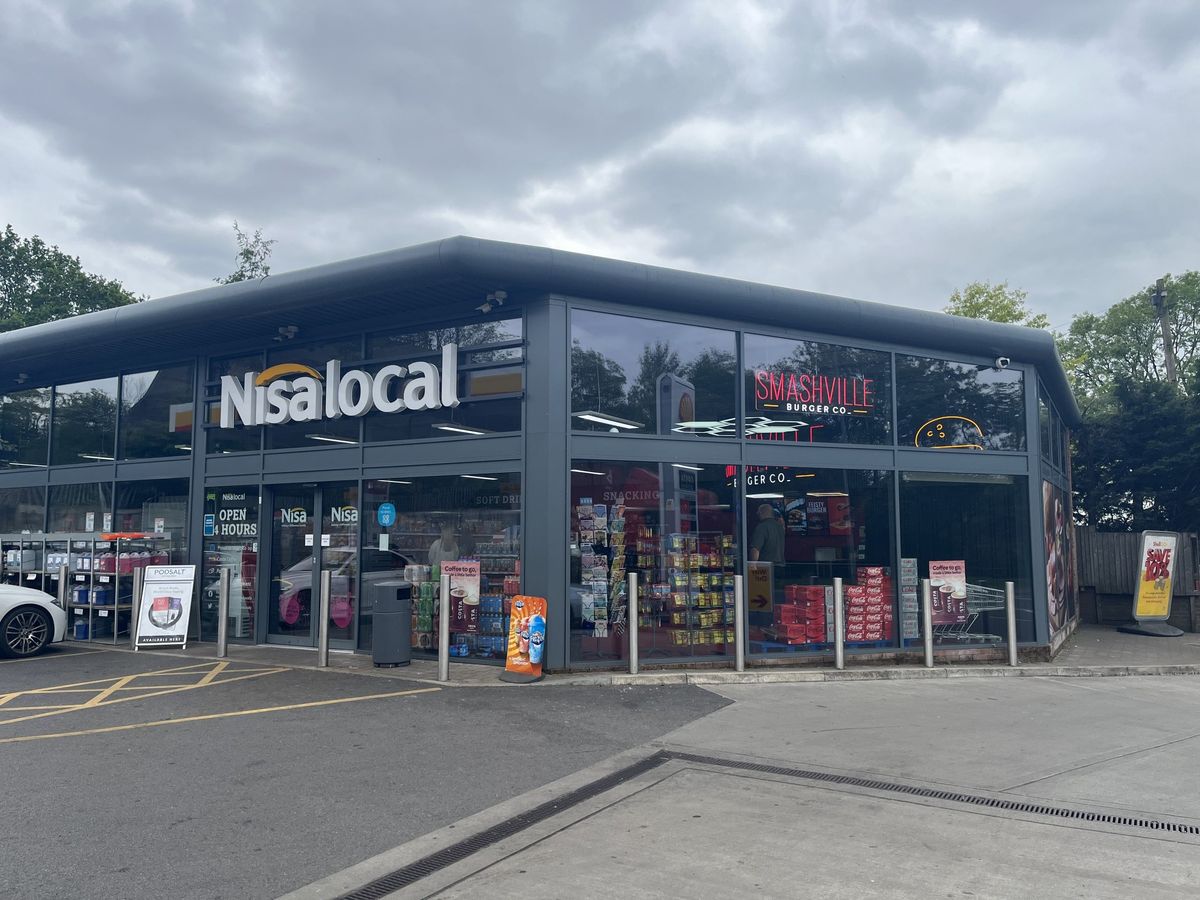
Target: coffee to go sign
<point>813,393</point>
<point>291,392</point>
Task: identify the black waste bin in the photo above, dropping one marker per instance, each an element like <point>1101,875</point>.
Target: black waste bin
<point>391,629</point>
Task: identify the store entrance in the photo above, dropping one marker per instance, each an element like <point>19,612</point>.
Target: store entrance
<point>314,528</point>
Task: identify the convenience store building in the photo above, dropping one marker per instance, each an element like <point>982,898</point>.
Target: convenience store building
<point>565,420</point>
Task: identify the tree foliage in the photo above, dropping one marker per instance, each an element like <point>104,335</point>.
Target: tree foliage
<point>995,303</point>
<point>253,256</point>
<point>39,283</point>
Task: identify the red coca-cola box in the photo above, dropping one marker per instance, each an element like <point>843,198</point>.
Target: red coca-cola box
<point>786,614</point>
<point>816,632</point>
<point>871,571</point>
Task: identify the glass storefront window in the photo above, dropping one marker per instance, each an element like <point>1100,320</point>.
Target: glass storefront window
<point>325,432</point>
<point>156,413</point>
<point>24,428</point>
<point>676,525</point>
<point>946,405</point>
<point>240,438</point>
<point>22,509</point>
<point>806,527</point>
<point>231,542</point>
<point>641,376</point>
<point>491,380</point>
<point>339,555</point>
<point>1044,425</point>
<point>811,393</point>
<point>84,423</point>
<point>413,525</point>
<point>982,523</point>
<point>153,506</point>
<point>80,507</point>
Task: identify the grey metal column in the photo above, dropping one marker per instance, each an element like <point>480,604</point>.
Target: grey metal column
<point>139,575</point>
<point>323,626</point>
<point>927,622</point>
<point>739,626</point>
<point>223,612</point>
<point>444,629</point>
<point>1010,612</point>
<point>633,633</point>
<point>839,626</point>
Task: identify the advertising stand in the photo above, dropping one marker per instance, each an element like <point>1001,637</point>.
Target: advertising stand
<point>1155,585</point>
<point>164,607</point>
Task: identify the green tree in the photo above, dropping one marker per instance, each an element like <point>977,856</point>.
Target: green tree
<point>657,359</point>
<point>996,303</point>
<point>253,256</point>
<point>39,283</point>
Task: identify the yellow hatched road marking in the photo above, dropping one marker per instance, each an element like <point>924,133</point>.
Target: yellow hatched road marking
<point>210,716</point>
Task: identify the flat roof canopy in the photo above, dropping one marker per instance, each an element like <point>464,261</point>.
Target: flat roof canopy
<point>451,277</point>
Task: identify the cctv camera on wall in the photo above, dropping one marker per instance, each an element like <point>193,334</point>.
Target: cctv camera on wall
<point>1002,362</point>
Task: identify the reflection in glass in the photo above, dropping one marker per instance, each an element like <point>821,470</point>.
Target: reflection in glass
<point>948,405</point>
<point>640,376</point>
<point>156,413</point>
<point>22,509</point>
<point>324,432</point>
<point>79,507</point>
<point>811,393</point>
<point>24,428</point>
<point>290,604</point>
<point>85,422</point>
<point>676,525</point>
<point>339,555</point>
<point>231,542</point>
<point>240,438</point>
<point>982,520</point>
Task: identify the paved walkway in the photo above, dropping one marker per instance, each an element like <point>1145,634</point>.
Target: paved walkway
<point>1092,650</point>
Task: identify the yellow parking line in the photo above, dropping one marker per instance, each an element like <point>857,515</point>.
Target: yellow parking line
<point>107,692</point>
<point>6,662</point>
<point>216,670</point>
<point>210,716</point>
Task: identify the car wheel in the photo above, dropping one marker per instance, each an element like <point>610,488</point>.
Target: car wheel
<point>25,632</point>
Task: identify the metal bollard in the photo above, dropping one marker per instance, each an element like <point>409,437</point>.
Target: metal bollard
<point>323,626</point>
<point>631,601</point>
<point>135,611</point>
<point>1010,611</point>
<point>739,626</point>
<point>927,621</point>
<point>839,626</point>
<point>444,628</point>
<point>63,587</point>
<point>223,590</point>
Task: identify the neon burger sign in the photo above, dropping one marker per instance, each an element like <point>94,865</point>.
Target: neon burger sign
<point>291,392</point>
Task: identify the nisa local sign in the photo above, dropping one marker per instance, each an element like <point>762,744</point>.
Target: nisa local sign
<point>290,392</point>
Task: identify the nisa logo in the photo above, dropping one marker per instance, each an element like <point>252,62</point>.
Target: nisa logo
<point>291,392</point>
<point>297,515</point>
<point>344,515</point>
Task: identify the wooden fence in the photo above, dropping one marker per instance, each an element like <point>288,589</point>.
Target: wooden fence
<point>1108,562</point>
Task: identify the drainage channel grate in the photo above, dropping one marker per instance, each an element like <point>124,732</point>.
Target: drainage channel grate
<point>1040,809</point>
<point>448,856</point>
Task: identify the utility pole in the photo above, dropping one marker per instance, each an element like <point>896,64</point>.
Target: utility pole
<point>1159,300</point>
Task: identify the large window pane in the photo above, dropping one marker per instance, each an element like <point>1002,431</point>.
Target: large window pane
<point>156,413</point>
<point>806,527</point>
<point>490,381</point>
<point>675,525</point>
<point>22,509</point>
<point>154,506</point>
<point>24,428</point>
<point>230,542</point>
<point>982,521</point>
<point>241,437</point>
<point>948,405</point>
<point>1044,425</point>
<point>85,422</point>
<point>80,507</point>
<point>639,376</point>
<point>445,519</point>
<point>325,432</point>
<point>812,393</point>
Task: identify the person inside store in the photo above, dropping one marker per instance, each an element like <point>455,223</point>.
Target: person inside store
<point>766,544</point>
<point>445,548</point>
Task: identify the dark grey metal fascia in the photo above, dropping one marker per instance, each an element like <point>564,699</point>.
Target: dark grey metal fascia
<point>518,266</point>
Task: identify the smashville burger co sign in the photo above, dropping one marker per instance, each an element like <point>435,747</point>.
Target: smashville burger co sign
<point>813,393</point>
<point>291,392</point>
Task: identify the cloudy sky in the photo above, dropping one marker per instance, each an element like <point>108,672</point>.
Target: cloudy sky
<point>888,151</point>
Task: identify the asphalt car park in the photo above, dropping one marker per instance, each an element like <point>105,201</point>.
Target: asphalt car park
<point>140,775</point>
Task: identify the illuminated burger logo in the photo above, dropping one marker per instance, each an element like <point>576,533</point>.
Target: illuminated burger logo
<point>950,433</point>
<point>165,611</point>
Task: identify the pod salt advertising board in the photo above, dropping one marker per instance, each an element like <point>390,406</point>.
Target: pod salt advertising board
<point>1156,574</point>
<point>165,606</point>
<point>526,637</point>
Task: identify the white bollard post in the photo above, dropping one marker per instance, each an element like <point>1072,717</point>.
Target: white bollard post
<point>839,626</point>
<point>444,628</point>
<point>1010,611</point>
<point>927,621</point>
<point>739,625</point>
<point>631,605</point>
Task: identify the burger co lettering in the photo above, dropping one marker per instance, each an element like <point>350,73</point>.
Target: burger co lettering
<point>291,392</point>
<point>814,394</point>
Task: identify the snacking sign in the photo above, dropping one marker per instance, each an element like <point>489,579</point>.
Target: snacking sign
<point>526,637</point>
<point>1156,574</point>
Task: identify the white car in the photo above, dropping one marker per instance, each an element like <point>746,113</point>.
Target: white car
<point>29,621</point>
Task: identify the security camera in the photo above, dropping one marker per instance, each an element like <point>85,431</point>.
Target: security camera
<point>1002,362</point>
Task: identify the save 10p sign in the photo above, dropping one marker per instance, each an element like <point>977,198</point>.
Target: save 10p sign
<point>1152,597</point>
